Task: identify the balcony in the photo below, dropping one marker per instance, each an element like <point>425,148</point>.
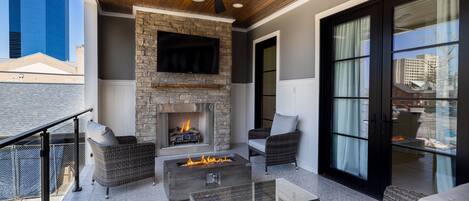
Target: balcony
<point>240,100</point>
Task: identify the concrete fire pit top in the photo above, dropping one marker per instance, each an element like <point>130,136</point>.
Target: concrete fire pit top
<point>176,164</point>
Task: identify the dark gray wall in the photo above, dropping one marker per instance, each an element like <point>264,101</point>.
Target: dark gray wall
<point>116,48</point>
<point>296,39</point>
<point>240,54</point>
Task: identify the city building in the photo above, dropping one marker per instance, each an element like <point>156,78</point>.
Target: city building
<point>39,26</point>
<point>417,71</point>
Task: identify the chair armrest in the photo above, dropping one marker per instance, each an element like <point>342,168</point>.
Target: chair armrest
<point>282,142</point>
<point>259,133</point>
<point>125,156</point>
<point>393,193</point>
<point>127,139</point>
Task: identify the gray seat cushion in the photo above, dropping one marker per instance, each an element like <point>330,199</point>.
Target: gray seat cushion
<point>101,134</point>
<point>258,144</point>
<point>459,193</point>
<point>283,124</point>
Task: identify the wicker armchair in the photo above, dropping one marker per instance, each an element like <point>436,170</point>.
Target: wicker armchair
<point>124,163</point>
<point>394,193</point>
<point>277,150</point>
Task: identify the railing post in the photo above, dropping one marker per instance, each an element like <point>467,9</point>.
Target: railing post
<point>45,168</point>
<point>77,155</point>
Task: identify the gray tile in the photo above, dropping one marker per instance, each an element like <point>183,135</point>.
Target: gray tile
<point>143,190</point>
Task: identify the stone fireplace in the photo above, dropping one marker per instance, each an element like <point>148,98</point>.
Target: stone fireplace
<point>165,102</point>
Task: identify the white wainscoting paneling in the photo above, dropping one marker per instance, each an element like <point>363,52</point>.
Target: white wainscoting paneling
<point>295,97</point>
<point>301,97</point>
<point>117,105</point>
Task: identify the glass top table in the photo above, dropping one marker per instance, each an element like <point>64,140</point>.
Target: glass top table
<point>274,190</point>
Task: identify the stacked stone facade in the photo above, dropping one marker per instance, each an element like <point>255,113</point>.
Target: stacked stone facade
<point>146,75</point>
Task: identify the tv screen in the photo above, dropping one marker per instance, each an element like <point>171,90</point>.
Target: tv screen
<point>181,53</point>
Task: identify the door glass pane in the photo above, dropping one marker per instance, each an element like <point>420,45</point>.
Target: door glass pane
<point>268,107</point>
<point>350,155</point>
<point>269,85</point>
<point>426,22</point>
<point>270,58</point>
<point>426,73</point>
<point>425,124</point>
<point>350,113</point>
<point>266,124</point>
<point>352,78</point>
<point>352,39</point>
<point>350,117</point>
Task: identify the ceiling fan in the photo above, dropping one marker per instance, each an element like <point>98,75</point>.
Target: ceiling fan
<point>219,6</point>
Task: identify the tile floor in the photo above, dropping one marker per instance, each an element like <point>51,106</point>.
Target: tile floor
<point>143,190</point>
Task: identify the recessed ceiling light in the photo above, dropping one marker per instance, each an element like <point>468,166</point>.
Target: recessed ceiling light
<point>198,0</point>
<point>237,5</point>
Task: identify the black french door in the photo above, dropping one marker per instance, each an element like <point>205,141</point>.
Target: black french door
<point>350,97</point>
<point>393,106</point>
<point>265,82</point>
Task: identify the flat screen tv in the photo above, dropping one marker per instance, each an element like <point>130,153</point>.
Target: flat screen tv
<point>181,53</point>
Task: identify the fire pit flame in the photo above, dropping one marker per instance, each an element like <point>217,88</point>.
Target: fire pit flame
<point>210,160</point>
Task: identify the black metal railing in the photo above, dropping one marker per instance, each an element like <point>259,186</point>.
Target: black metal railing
<point>45,150</point>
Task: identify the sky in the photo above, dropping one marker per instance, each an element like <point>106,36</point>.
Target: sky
<point>75,27</point>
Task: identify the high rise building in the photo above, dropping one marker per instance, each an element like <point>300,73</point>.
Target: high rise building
<point>420,69</point>
<point>39,26</point>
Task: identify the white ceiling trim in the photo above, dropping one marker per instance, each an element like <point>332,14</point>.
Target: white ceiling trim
<point>278,13</point>
<point>114,14</point>
<point>182,14</point>
<point>239,29</point>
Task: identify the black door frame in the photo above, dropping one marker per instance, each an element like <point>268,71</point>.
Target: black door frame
<point>370,185</point>
<point>383,149</point>
<point>462,156</point>
<point>258,76</point>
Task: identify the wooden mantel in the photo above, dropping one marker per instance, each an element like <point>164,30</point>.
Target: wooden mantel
<point>186,86</point>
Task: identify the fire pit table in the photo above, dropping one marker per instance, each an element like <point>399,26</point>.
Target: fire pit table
<point>194,174</point>
<point>274,190</point>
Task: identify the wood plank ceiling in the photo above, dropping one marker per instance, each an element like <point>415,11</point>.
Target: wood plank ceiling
<point>251,12</point>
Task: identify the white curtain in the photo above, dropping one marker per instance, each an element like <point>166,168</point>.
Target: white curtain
<point>447,30</point>
<point>350,154</point>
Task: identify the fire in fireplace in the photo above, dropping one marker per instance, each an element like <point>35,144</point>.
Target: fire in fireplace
<point>185,134</point>
<point>205,161</point>
<point>185,128</point>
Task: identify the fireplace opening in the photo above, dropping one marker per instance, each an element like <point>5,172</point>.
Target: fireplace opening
<point>185,128</point>
<point>182,125</point>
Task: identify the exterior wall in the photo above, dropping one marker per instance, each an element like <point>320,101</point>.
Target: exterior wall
<point>23,105</point>
<point>240,55</point>
<point>296,39</point>
<point>116,48</point>
<point>147,97</point>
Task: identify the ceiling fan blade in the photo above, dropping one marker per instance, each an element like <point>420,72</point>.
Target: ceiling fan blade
<point>219,6</point>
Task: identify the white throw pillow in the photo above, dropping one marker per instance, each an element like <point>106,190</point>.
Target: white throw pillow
<point>283,124</point>
<point>101,134</point>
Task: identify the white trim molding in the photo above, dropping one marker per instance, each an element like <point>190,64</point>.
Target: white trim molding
<point>182,14</point>
<point>263,38</point>
<point>114,14</point>
<point>237,29</point>
<point>278,13</point>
